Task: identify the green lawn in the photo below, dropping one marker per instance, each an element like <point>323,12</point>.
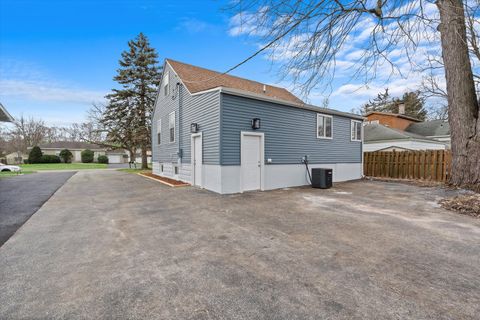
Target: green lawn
<point>62,166</point>
<point>13,174</point>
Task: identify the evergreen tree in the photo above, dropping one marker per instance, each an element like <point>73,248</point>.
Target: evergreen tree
<point>413,101</point>
<point>382,103</point>
<point>35,155</point>
<point>66,155</point>
<point>131,106</point>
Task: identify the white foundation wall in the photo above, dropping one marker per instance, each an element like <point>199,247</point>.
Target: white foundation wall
<point>226,179</point>
<point>184,171</point>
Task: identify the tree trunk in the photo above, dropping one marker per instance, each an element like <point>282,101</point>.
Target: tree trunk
<point>132,155</point>
<point>463,110</point>
<point>144,157</point>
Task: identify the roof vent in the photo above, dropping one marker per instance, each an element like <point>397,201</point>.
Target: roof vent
<point>264,88</point>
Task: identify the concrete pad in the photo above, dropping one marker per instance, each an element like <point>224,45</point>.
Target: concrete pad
<point>114,245</point>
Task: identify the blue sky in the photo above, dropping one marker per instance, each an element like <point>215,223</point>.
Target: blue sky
<point>59,56</point>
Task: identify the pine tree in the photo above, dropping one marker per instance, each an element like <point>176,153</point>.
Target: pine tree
<point>130,107</point>
<point>35,155</point>
<point>413,101</point>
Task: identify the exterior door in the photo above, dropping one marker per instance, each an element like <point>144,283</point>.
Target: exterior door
<point>197,160</point>
<point>251,162</point>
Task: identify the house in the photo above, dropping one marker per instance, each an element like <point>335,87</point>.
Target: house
<point>15,157</point>
<point>398,121</point>
<point>76,148</point>
<point>4,115</point>
<point>378,137</point>
<point>228,134</point>
<point>391,131</point>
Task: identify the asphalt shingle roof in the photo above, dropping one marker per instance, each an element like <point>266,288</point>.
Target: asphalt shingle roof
<point>198,79</point>
<point>430,128</point>
<point>377,132</point>
<point>72,145</point>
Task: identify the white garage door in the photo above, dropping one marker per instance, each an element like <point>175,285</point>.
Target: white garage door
<point>114,158</point>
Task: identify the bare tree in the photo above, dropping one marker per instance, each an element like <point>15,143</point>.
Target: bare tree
<point>111,133</point>
<point>28,132</point>
<point>313,33</point>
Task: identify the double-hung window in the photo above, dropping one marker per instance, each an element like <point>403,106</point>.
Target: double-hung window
<point>324,126</point>
<point>356,130</point>
<point>171,126</point>
<point>165,83</point>
<point>159,131</point>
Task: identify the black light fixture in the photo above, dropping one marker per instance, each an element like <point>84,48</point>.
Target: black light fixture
<point>194,127</point>
<point>256,123</point>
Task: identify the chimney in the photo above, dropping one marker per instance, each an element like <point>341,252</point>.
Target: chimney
<point>401,108</point>
<point>264,88</point>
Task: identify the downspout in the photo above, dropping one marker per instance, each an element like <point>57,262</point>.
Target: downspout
<point>180,115</point>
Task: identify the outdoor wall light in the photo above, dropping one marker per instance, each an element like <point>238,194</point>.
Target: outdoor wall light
<point>194,127</point>
<point>256,123</point>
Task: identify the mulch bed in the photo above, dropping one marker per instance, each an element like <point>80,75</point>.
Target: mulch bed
<point>468,204</point>
<point>167,181</point>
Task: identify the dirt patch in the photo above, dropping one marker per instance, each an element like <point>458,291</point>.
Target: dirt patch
<point>465,204</point>
<point>164,180</point>
<point>418,183</point>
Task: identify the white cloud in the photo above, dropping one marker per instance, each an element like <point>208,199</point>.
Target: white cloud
<point>30,82</point>
<point>47,91</point>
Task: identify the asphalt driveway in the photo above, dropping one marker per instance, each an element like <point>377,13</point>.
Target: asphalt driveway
<point>22,196</point>
<point>114,245</point>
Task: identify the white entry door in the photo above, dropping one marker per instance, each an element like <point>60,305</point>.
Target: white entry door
<point>252,161</point>
<point>197,160</point>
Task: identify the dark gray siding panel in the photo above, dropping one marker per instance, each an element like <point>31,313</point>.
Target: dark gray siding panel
<point>290,133</point>
<point>203,109</point>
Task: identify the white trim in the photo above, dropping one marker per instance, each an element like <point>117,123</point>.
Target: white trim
<point>324,127</point>
<point>262,157</point>
<point>5,112</point>
<point>192,158</point>
<point>174,127</point>
<point>352,122</point>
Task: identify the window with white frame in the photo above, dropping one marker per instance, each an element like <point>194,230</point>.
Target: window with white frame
<point>159,131</point>
<point>324,126</point>
<point>356,130</point>
<point>171,126</point>
<point>165,83</point>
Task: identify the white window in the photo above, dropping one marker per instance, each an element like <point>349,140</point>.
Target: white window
<point>171,126</point>
<point>165,83</point>
<point>159,131</point>
<point>356,130</point>
<point>324,126</point>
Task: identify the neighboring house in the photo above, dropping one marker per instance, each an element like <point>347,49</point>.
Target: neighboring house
<point>390,131</point>
<point>229,134</point>
<point>54,148</point>
<point>378,137</point>
<point>434,129</point>
<point>392,120</point>
<point>15,158</point>
<point>4,115</point>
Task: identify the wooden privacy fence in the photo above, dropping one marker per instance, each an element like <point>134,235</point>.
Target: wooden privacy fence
<point>431,165</point>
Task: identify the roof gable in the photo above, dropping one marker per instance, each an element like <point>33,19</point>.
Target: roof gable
<point>198,79</point>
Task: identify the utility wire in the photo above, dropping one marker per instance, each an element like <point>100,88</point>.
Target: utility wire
<point>293,26</point>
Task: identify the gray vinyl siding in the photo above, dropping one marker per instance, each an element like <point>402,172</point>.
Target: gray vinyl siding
<point>203,109</point>
<point>290,133</point>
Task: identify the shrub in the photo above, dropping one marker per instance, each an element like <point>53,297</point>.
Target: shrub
<point>87,156</point>
<point>50,158</point>
<point>66,155</point>
<point>25,161</point>
<point>102,159</point>
<point>35,155</point>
